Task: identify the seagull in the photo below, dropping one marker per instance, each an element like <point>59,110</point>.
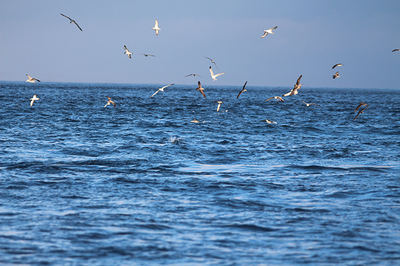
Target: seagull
<point>395,50</point>
<point>309,104</point>
<point>337,65</point>
<point>72,21</point>
<point>296,87</point>
<point>269,31</point>
<point>161,89</point>
<point>156,28</point>
<point>127,52</point>
<point>279,98</point>
<point>200,89</point>
<point>270,121</point>
<point>214,77</point>
<point>336,75</point>
<point>31,80</point>
<point>192,74</point>
<point>219,105</point>
<point>211,60</point>
<point>147,55</point>
<point>33,99</point>
<point>243,90</point>
<point>109,102</point>
<point>361,110</point>
<point>195,121</point>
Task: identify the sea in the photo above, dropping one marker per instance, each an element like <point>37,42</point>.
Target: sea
<point>142,184</point>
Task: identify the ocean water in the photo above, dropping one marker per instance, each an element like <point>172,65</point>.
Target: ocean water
<point>141,184</point>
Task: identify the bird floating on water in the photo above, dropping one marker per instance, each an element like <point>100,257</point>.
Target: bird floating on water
<point>336,75</point>
<point>295,89</point>
<point>156,28</point>
<point>309,104</point>
<point>278,98</point>
<point>33,99</point>
<point>395,50</point>
<point>270,121</point>
<point>337,65</point>
<point>162,89</point>
<point>269,31</point>
<point>242,90</point>
<point>219,105</point>
<point>110,102</point>
<point>200,89</point>
<point>361,107</point>
<point>72,21</point>
<point>214,76</point>
<point>127,52</point>
<point>31,80</point>
<point>195,121</point>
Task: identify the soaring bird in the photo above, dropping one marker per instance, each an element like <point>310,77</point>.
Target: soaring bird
<point>295,89</point>
<point>110,102</point>
<point>395,50</point>
<point>33,99</point>
<point>214,76</point>
<point>269,31</point>
<point>200,89</point>
<point>336,75</point>
<point>243,90</point>
<point>211,60</point>
<point>147,55</point>
<point>156,28</point>
<point>309,104</point>
<point>337,65</point>
<point>278,98</point>
<point>219,105</point>
<point>193,75</point>
<point>127,52</point>
<point>31,80</point>
<point>161,89</point>
<point>361,108</point>
<point>72,21</point>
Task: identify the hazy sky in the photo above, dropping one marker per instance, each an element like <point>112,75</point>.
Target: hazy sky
<point>312,35</point>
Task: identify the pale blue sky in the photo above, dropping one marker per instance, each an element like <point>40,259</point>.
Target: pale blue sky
<point>311,37</point>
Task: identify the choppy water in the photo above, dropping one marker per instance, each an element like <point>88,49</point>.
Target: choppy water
<point>142,184</point>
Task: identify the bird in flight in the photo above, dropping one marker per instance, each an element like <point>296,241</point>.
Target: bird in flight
<point>219,105</point>
<point>72,21</point>
<point>127,52</point>
<point>161,89</point>
<point>278,98</point>
<point>147,55</point>
<point>211,60</point>
<point>193,75</point>
<point>110,102</point>
<point>395,50</point>
<point>337,65</point>
<point>269,31</point>
<point>31,80</point>
<point>200,89</point>
<point>156,28</point>
<point>336,75</point>
<point>309,104</point>
<point>242,90</point>
<point>33,99</point>
<point>214,76</point>
<point>361,108</point>
<point>295,89</point>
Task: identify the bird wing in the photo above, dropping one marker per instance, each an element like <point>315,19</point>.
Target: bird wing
<point>66,16</point>
<point>211,71</point>
<point>32,101</point>
<point>395,50</point>
<point>113,103</point>
<point>155,93</point>
<point>242,90</point>
<point>156,24</point>
<point>202,92</point>
<point>265,34</point>
<point>198,84</point>
<point>36,79</point>
<point>280,99</point>
<point>270,98</point>
<point>361,104</point>
<point>298,80</point>
<point>288,94</point>
<point>77,25</point>
<point>219,74</point>
<point>166,86</point>
<point>274,28</point>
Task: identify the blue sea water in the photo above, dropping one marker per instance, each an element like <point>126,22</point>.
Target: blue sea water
<point>141,184</point>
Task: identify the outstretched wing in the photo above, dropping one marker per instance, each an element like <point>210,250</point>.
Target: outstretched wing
<point>66,16</point>
<point>242,90</point>
<point>77,25</point>
<point>298,80</point>
<point>155,93</point>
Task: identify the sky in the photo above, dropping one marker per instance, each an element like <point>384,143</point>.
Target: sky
<point>311,37</point>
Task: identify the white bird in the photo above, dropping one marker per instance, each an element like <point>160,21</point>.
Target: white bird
<point>109,102</point>
<point>296,87</point>
<point>270,121</point>
<point>33,99</point>
<point>162,89</point>
<point>31,80</point>
<point>214,76</point>
<point>269,31</point>
<point>127,52</point>
<point>278,98</point>
<point>156,28</point>
<point>72,21</point>
<point>309,104</point>
<point>219,105</point>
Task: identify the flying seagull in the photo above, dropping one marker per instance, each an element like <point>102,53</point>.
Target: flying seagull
<point>211,60</point>
<point>360,109</point>
<point>31,80</point>
<point>147,55</point>
<point>219,105</point>
<point>109,102</point>
<point>269,31</point>
<point>336,75</point>
<point>200,89</point>
<point>127,52</point>
<point>193,75</point>
<point>309,104</point>
<point>214,77</point>
<point>156,28</point>
<point>278,98</point>
<point>33,99</point>
<point>395,50</point>
<point>243,90</point>
<point>161,89</point>
<point>72,21</point>
<point>295,89</point>
<point>337,65</point>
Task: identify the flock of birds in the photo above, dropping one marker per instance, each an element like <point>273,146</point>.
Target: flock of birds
<point>360,108</point>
